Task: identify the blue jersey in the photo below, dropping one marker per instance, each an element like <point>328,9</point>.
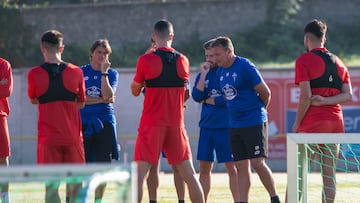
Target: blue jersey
<point>244,104</point>
<point>212,116</point>
<point>104,111</point>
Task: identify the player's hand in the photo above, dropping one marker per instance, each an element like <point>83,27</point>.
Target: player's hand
<point>152,48</point>
<point>205,67</point>
<point>317,100</point>
<point>105,65</point>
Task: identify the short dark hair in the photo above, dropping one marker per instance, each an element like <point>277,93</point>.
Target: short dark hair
<point>164,28</point>
<point>53,37</point>
<point>317,28</point>
<point>224,42</point>
<point>208,44</point>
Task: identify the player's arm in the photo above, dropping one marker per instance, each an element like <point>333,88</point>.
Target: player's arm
<point>344,96</point>
<point>187,95</point>
<point>6,83</point>
<point>34,101</point>
<point>304,103</point>
<point>81,97</point>
<point>107,91</point>
<point>136,88</point>
<point>199,87</point>
<point>31,89</point>
<point>93,100</point>
<point>264,93</point>
<point>80,105</point>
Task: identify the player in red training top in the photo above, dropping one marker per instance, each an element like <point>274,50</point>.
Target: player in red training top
<point>6,85</point>
<point>324,83</point>
<point>165,74</point>
<point>59,90</point>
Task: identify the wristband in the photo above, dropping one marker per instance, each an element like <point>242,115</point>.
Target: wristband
<point>104,74</point>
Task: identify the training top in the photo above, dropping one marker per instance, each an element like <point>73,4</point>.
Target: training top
<point>104,111</point>
<point>309,67</point>
<point>6,85</point>
<point>59,120</point>
<point>163,106</point>
<point>244,104</point>
<point>212,116</point>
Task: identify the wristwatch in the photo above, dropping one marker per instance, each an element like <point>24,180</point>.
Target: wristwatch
<point>104,74</point>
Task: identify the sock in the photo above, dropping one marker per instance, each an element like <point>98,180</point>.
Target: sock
<point>181,201</point>
<point>153,201</point>
<point>275,199</point>
<point>97,199</point>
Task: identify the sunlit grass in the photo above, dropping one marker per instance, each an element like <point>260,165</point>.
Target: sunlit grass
<point>348,187</point>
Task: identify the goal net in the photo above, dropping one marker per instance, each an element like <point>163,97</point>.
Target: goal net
<point>312,160</point>
<point>27,183</point>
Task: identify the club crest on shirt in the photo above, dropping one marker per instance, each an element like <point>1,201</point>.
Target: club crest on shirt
<point>93,91</point>
<point>214,93</point>
<point>229,92</point>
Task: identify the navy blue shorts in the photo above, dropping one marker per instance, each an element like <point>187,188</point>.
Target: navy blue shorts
<point>214,142</point>
<point>99,146</point>
<point>249,142</point>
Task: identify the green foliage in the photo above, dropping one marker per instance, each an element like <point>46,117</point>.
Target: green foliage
<point>15,43</point>
<point>192,48</point>
<point>278,40</point>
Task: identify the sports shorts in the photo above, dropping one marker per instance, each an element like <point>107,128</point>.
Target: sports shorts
<point>323,126</point>
<point>214,142</point>
<point>54,154</point>
<point>249,142</point>
<point>99,146</point>
<point>173,140</point>
<point>4,138</point>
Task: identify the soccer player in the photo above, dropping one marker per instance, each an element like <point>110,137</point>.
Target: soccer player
<point>58,88</point>
<point>6,85</point>
<point>247,97</point>
<point>214,125</point>
<point>165,74</point>
<point>153,177</point>
<point>324,83</point>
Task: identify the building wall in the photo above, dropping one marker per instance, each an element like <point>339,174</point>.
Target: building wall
<point>122,23</point>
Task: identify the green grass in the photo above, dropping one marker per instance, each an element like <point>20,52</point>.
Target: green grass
<point>347,189</point>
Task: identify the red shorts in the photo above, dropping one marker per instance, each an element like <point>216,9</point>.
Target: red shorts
<point>55,154</point>
<point>4,138</point>
<point>323,126</point>
<point>173,140</point>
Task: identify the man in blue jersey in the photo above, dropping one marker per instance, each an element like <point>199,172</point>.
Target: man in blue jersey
<point>214,131</point>
<point>98,116</point>
<point>247,97</point>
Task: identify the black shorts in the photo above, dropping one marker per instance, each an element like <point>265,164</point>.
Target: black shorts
<point>99,146</point>
<point>249,142</point>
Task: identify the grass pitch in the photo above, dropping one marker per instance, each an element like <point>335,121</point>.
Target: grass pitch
<point>348,190</point>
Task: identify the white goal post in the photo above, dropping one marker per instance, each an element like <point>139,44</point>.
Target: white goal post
<point>296,146</point>
<point>92,175</point>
